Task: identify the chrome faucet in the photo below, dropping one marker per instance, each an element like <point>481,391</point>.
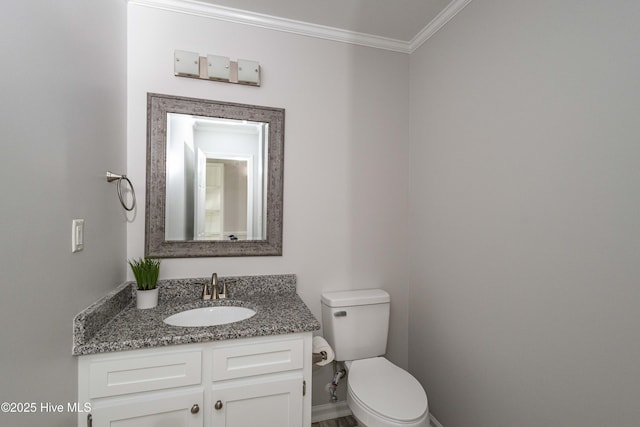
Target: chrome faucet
<point>215,294</point>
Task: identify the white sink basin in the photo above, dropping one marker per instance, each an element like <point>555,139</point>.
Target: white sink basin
<point>210,316</point>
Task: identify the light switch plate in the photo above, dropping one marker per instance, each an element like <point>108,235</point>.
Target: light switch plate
<point>77,235</point>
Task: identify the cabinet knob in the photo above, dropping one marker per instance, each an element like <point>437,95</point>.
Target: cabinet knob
<point>195,409</point>
<point>218,405</point>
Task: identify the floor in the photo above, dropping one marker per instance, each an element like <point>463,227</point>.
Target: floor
<point>348,421</point>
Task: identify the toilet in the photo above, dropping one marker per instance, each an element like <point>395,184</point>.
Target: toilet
<point>379,393</point>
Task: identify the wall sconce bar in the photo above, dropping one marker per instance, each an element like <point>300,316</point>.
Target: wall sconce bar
<point>216,68</point>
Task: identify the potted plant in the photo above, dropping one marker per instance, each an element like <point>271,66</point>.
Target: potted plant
<point>146,272</point>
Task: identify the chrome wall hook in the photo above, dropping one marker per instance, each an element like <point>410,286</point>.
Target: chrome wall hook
<point>115,177</point>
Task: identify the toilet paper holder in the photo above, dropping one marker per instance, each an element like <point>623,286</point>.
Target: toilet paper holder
<point>318,357</point>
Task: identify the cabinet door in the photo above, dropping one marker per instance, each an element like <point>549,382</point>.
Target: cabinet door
<point>260,403</point>
<point>167,409</point>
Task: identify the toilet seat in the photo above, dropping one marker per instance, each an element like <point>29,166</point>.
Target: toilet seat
<point>387,391</point>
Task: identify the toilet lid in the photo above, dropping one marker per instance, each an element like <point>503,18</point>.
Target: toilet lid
<point>387,389</point>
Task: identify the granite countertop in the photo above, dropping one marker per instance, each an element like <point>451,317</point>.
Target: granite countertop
<point>114,323</point>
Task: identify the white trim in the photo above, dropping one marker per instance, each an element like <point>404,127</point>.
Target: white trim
<point>208,10</point>
<point>330,411</point>
<point>438,22</point>
<point>433,421</point>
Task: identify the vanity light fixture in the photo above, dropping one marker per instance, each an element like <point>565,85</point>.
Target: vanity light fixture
<point>217,68</point>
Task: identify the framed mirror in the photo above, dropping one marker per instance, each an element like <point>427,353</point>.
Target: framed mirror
<point>214,178</point>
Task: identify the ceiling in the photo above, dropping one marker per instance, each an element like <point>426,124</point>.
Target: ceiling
<point>397,25</point>
<point>400,20</point>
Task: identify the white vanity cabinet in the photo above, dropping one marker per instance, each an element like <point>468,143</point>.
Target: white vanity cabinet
<point>234,383</point>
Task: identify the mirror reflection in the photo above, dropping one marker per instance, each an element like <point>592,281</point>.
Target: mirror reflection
<point>216,175</point>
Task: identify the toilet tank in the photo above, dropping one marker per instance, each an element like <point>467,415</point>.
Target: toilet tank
<point>356,323</point>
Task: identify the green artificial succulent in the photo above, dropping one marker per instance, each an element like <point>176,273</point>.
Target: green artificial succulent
<point>146,272</point>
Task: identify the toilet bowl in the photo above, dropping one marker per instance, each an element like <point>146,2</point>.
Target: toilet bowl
<point>380,394</point>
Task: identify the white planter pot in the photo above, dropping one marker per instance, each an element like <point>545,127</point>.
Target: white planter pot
<point>147,299</point>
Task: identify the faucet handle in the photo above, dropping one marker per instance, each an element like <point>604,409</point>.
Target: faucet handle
<point>205,292</point>
<point>223,294</point>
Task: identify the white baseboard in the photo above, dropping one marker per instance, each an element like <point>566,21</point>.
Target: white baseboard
<point>433,421</point>
<point>329,411</point>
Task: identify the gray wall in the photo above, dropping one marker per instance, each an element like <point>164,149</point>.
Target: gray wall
<point>62,125</point>
<point>345,173</point>
<point>524,299</point>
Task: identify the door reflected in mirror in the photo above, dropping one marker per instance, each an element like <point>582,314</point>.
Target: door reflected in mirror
<point>216,175</point>
<point>222,198</point>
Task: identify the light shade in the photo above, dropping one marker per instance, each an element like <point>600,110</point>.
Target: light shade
<point>186,63</point>
<point>248,71</point>
<point>218,67</point>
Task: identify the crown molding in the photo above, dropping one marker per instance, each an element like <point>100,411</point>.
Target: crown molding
<point>207,10</point>
<point>222,13</point>
<point>438,22</point>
